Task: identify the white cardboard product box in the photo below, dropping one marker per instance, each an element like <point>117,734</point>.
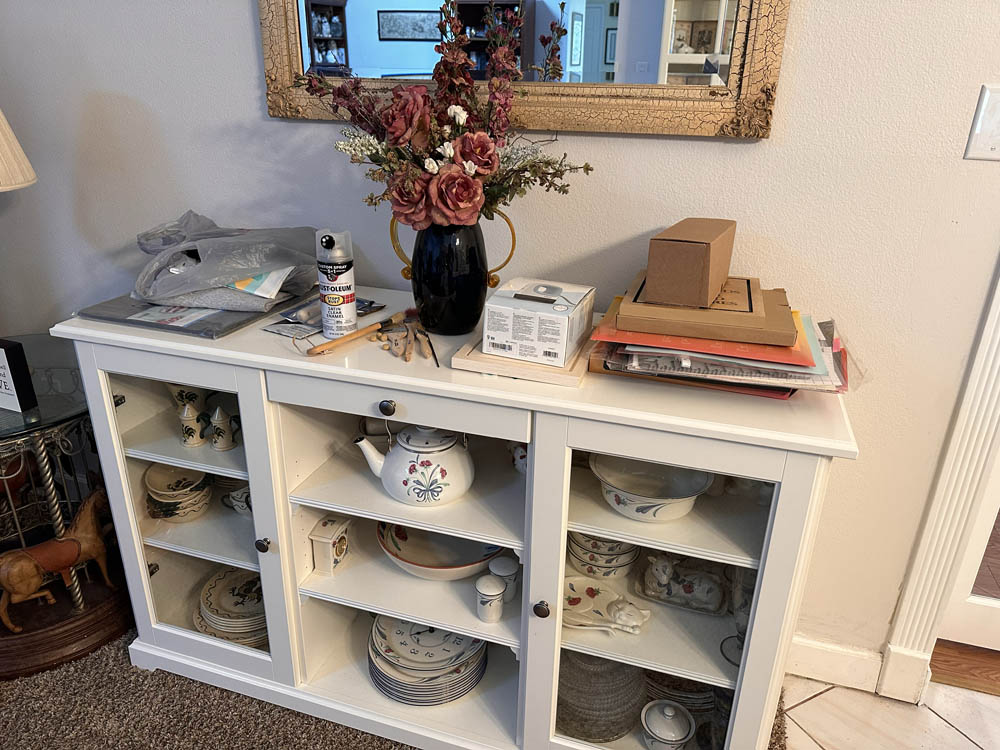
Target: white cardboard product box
<point>538,321</point>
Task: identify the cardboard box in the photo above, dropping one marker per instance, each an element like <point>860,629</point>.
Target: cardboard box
<point>689,262</point>
<point>779,325</point>
<point>740,303</point>
<point>532,320</point>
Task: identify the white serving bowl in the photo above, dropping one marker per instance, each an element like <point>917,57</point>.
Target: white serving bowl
<point>598,544</point>
<point>599,571</point>
<point>435,557</point>
<point>648,492</point>
<point>600,558</point>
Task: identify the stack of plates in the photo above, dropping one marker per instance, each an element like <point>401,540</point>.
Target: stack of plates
<point>231,607</point>
<point>423,666</point>
<point>174,494</point>
<point>229,483</point>
<point>694,696</point>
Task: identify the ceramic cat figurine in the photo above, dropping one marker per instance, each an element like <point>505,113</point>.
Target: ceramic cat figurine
<point>669,580</point>
<point>626,616</point>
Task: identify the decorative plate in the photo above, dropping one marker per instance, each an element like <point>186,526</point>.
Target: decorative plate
<point>588,603</point>
<point>233,594</point>
<point>436,557</point>
<point>415,646</point>
<point>255,641</point>
<point>171,481</point>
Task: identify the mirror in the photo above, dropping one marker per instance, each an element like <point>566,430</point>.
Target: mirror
<point>692,67</point>
<point>680,42</point>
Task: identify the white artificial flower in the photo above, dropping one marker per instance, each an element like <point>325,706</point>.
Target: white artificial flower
<point>447,130</point>
<point>470,168</point>
<point>431,166</point>
<point>458,114</point>
<point>447,150</point>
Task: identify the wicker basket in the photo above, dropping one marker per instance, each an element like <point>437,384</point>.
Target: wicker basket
<point>599,700</point>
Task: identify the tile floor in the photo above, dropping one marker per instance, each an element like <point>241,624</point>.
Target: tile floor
<point>988,578</point>
<point>824,717</point>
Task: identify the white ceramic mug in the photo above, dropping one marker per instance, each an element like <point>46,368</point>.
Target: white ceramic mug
<point>489,598</point>
<point>239,500</point>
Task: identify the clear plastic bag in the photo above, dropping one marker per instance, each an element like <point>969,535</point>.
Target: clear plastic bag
<point>196,260</point>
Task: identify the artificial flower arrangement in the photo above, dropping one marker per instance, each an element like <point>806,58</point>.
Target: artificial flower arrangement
<point>449,155</point>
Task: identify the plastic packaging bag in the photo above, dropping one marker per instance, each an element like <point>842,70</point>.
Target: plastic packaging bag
<point>197,261</point>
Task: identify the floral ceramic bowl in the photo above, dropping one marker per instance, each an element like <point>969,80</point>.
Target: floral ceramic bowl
<point>435,557</point>
<point>648,492</point>
<point>593,570</point>
<point>607,559</point>
<point>598,544</point>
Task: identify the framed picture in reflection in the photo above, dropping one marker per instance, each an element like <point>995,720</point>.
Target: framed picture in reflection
<point>682,38</point>
<point>576,40</point>
<point>409,26</point>
<point>610,41</point>
<point>703,36</point>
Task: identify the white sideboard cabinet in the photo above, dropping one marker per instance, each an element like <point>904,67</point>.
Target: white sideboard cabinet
<point>299,419</point>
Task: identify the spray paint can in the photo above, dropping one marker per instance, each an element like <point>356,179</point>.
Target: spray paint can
<point>335,263</point>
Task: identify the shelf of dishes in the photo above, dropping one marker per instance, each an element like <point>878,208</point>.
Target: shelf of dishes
<point>668,508</point>
<point>406,572</point>
<point>681,615</point>
<point>456,685</point>
<point>193,513</point>
<point>490,511</point>
<point>179,425</point>
<point>607,704</point>
<point>204,597</point>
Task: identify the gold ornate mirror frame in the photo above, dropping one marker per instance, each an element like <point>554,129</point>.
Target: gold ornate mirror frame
<point>741,109</point>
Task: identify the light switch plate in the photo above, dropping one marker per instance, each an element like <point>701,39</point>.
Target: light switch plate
<point>984,138</point>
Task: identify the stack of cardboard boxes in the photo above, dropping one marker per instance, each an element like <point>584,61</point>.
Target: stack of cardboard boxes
<point>685,319</point>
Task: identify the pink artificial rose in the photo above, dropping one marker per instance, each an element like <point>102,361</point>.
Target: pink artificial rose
<point>410,205</point>
<point>455,198</point>
<point>407,118</point>
<point>479,149</point>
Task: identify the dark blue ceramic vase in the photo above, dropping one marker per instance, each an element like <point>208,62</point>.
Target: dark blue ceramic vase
<point>449,278</point>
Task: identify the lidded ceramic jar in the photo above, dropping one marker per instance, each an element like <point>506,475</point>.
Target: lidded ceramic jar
<point>666,725</point>
<point>426,466</point>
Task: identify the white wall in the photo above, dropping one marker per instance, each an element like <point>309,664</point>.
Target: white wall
<point>859,204</point>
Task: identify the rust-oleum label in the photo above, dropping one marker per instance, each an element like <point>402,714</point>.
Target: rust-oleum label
<point>336,291</point>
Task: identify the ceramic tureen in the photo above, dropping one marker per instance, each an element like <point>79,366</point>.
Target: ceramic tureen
<point>425,466</point>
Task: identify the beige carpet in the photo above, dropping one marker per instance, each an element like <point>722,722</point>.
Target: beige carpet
<point>101,701</point>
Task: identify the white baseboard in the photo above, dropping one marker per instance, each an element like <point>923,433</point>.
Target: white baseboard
<point>905,674</point>
<point>833,663</point>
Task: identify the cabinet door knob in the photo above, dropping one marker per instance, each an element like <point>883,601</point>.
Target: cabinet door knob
<point>541,609</point>
<point>262,545</point>
<point>387,407</point>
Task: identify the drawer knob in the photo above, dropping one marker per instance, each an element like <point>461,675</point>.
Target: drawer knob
<point>387,407</point>
<point>541,609</point>
<point>262,545</point>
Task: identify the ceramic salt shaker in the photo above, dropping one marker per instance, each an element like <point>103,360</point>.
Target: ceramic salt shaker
<point>666,725</point>
<point>191,430</point>
<point>489,598</point>
<point>223,430</point>
<point>506,569</point>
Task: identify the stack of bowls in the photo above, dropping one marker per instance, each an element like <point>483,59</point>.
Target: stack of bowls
<point>174,494</point>
<point>600,558</point>
<point>423,666</point>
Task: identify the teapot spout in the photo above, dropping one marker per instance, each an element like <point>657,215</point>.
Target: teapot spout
<point>372,455</point>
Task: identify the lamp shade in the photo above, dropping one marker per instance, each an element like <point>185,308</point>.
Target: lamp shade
<point>15,169</point>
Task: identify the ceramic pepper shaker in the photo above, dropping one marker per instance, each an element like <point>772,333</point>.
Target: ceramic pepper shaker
<point>489,598</point>
<point>506,569</point>
<point>192,433</point>
<point>223,430</point>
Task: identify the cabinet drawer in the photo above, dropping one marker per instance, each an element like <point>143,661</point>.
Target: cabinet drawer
<point>414,408</point>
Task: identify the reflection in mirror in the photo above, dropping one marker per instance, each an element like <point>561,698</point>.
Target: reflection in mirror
<point>675,42</point>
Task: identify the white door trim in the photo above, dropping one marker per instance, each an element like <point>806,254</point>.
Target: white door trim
<point>958,492</point>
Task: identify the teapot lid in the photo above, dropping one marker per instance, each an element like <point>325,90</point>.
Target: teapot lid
<point>666,720</point>
<point>426,439</point>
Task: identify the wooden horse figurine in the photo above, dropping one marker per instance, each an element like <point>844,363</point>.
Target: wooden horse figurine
<point>22,571</point>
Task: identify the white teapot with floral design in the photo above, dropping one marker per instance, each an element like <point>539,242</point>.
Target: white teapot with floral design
<point>424,467</point>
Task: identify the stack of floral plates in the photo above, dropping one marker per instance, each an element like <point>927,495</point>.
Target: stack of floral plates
<point>423,666</point>
<point>174,494</point>
<point>231,607</point>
